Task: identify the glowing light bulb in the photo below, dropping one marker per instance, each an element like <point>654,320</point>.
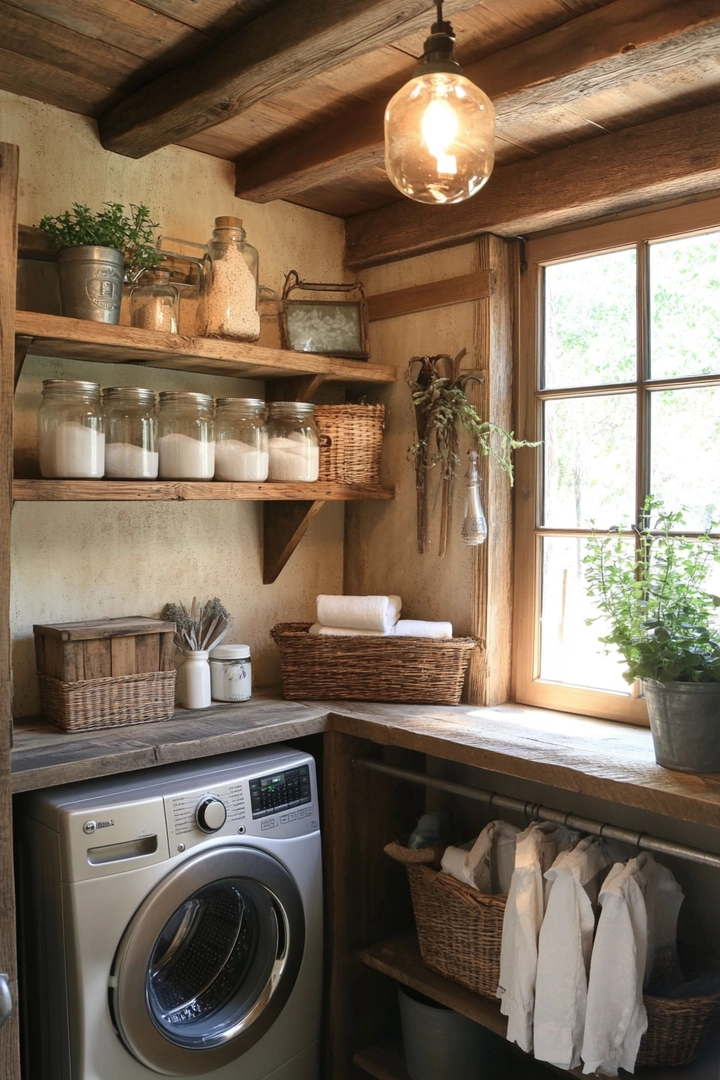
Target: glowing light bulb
<point>439,126</point>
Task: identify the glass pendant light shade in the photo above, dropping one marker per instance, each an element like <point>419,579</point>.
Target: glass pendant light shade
<point>439,128</point>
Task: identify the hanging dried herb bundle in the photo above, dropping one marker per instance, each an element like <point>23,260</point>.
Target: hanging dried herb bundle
<point>441,408</point>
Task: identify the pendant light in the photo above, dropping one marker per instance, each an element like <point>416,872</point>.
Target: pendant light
<point>440,127</point>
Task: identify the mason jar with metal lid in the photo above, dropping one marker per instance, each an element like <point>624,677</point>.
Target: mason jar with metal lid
<point>241,442</point>
<point>186,437</point>
<point>293,441</point>
<point>130,433</point>
<point>71,438</point>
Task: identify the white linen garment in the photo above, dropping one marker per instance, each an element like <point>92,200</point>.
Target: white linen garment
<point>564,948</point>
<point>490,862</point>
<point>535,851</point>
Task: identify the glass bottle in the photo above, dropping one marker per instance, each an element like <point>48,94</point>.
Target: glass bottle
<point>71,439</point>
<point>228,307</point>
<point>130,433</point>
<point>154,302</point>
<point>293,441</point>
<point>474,526</point>
<point>186,438</point>
<point>241,441</point>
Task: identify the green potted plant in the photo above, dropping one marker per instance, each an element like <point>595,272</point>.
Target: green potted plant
<point>664,624</point>
<point>97,252</point>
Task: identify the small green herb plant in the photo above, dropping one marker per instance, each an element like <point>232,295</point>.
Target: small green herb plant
<point>663,622</point>
<point>131,233</point>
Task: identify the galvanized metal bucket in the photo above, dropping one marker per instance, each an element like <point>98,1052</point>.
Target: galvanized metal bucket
<point>91,280</point>
<point>685,725</point>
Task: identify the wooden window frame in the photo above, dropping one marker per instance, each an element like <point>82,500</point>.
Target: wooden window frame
<point>620,233</point>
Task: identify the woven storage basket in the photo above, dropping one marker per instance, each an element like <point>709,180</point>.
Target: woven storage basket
<point>90,704</point>
<point>350,444</point>
<point>677,1028</point>
<point>405,669</point>
<point>459,929</point>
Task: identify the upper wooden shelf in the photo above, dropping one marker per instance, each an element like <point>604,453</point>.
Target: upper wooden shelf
<point>186,490</point>
<point>80,339</point>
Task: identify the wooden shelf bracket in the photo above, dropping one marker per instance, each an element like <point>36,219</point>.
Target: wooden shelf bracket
<point>284,525</point>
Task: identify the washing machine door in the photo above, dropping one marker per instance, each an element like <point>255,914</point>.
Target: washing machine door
<point>208,961</point>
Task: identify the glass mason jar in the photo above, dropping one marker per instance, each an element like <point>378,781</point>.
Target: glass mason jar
<point>293,441</point>
<point>228,306</point>
<point>154,302</point>
<point>130,433</point>
<point>186,438</point>
<point>71,439</point>
<point>241,442</point>
<point>231,673</point>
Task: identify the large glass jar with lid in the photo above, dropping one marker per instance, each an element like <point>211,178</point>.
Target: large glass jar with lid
<point>71,437</point>
<point>241,442</point>
<point>186,437</point>
<point>293,441</point>
<point>229,302</point>
<point>154,302</point>
<point>130,433</point>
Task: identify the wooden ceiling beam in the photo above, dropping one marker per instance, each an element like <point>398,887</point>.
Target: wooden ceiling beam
<point>606,48</point>
<point>276,51</point>
<point>675,157</point>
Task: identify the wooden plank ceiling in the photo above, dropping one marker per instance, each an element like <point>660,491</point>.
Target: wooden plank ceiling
<point>293,91</point>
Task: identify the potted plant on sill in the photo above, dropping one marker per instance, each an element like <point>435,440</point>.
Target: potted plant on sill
<point>665,626</point>
<point>97,252</point>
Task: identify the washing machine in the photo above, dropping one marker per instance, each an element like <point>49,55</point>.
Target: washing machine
<point>171,922</point>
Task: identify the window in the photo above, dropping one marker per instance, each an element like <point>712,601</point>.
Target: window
<point>620,380</point>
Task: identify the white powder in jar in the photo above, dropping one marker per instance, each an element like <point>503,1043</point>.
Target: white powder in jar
<point>72,451</point>
<point>236,460</point>
<point>293,459</point>
<point>230,303</point>
<point>185,458</point>
<point>126,461</point>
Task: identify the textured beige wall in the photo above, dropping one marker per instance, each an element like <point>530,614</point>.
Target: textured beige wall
<point>82,561</point>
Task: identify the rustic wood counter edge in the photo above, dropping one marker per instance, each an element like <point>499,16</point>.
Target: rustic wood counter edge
<point>578,754</point>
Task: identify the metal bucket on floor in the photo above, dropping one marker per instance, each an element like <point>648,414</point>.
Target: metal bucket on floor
<point>440,1044</point>
<point>91,280</point>
<point>685,725</point>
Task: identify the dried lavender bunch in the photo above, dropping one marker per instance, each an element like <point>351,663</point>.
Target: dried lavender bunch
<point>202,627</point>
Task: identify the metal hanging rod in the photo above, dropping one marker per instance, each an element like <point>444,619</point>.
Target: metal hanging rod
<point>537,812</point>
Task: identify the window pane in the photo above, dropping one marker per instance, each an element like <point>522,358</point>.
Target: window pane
<point>570,652</point>
<point>589,461</point>
<point>684,314</point>
<point>685,437</point>
<point>590,324</point>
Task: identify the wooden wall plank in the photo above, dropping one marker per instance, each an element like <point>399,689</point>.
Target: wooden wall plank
<point>457,290</point>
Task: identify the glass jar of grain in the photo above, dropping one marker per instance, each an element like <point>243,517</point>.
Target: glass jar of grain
<point>229,301</point>
<point>293,441</point>
<point>186,436</point>
<point>154,302</point>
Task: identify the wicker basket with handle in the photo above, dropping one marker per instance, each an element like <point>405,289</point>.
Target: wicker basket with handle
<point>350,443</point>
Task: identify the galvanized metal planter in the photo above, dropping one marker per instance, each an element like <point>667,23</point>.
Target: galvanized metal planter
<point>685,725</point>
<point>91,280</point>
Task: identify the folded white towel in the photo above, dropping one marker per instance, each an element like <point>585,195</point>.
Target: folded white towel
<point>423,628</point>
<point>318,630</point>
<point>378,613</point>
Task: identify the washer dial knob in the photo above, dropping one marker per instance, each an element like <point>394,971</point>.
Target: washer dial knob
<point>210,814</point>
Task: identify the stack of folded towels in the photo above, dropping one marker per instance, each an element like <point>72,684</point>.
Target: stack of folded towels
<point>371,616</point>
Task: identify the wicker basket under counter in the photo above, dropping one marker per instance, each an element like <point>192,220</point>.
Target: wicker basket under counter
<point>350,443</point>
<point>401,669</point>
<point>106,672</point>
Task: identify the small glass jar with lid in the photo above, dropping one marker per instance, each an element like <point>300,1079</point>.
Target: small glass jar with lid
<point>154,302</point>
<point>293,441</point>
<point>130,433</point>
<point>186,437</point>
<point>71,436</point>
<point>241,442</point>
<point>229,302</point>
<point>231,673</point>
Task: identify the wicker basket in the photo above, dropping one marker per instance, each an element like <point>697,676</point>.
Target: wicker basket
<point>404,669</point>
<point>459,929</point>
<point>91,704</point>
<point>350,443</point>
<point>677,1028</point>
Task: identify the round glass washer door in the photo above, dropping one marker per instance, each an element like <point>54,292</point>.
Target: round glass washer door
<point>208,961</point>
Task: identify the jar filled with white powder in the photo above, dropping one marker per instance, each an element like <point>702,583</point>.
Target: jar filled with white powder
<point>241,442</point>
<point>71,439</point>
<point>228,306</point>
<point>186,437</point>
<point>130,433</point>
<point>293,441</point>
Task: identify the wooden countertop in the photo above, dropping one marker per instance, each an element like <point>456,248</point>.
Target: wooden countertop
<point>595,757</point>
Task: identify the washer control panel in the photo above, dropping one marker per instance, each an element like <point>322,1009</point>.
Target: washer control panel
<point>280,791</point>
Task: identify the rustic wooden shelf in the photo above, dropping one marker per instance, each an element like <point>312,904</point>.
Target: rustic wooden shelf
<point>80,339</point>
<point>187,490</point>
<point>384,1062</point>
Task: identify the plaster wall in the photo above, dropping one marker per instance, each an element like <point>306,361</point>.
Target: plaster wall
<point>84,561</point>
